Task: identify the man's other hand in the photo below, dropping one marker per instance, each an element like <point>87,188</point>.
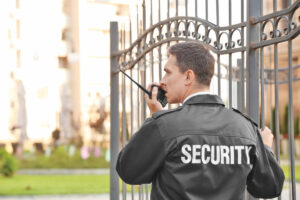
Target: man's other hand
<point>267,136</point>
<point>152,103</point>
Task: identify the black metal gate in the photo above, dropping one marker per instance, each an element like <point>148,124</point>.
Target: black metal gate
<point>241,78</point>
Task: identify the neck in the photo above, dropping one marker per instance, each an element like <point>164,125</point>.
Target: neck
<point>192,90</point>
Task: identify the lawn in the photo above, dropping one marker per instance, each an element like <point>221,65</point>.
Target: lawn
<point>68,184</point>
<point>54,184</point>
<point>287,172</point>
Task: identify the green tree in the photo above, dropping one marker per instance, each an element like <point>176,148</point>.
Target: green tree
<point>8,164</point>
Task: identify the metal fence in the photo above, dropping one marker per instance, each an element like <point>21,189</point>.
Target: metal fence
<point>238,31</point>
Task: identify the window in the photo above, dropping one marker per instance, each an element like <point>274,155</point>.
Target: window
<point>18,28</point>
<point>63,62</point>
<point>17,3</point>
<point>18,55</point>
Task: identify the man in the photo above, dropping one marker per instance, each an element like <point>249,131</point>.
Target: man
<point>200,150</point>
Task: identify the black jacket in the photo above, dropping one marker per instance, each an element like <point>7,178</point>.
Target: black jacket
<point>200,150</point>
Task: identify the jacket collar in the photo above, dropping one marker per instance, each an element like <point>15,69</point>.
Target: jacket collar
<point>205,99</point>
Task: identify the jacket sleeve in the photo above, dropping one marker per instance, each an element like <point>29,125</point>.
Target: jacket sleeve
<point>139,160</point>
<point>266,178</point>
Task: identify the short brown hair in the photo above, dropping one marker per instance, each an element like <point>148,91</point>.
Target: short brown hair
<point>194,56</point>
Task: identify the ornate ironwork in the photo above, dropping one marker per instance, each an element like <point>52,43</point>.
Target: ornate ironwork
<point>220,39</point>
<point>278,34</point>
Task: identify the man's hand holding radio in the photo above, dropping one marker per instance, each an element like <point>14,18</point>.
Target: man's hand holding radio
<point>152,103</point>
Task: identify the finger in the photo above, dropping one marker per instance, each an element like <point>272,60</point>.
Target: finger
<point>149,86</point>
<point>146,96</point>
<point>154,93</point>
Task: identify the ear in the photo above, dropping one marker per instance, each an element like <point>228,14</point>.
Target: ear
<point>190,77</point>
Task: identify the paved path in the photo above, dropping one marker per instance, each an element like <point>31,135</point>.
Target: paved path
<point>59,197</point>
<point>62,171</point>
<point>285,196</point>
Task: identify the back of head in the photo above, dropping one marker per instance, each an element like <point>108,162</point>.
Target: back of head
<point>194,56</point>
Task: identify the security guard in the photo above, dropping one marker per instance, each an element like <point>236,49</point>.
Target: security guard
<point>200,150</point>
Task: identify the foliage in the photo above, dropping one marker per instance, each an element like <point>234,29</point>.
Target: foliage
<point>285,122</point>
<point>286,170</point>
<point>273,120</point>
<point>60,158</point>
<point>8,164</point>
<point>296,126</point>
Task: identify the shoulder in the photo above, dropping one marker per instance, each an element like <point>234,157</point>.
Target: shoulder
<point>161,113</point>
<point>252,121</point>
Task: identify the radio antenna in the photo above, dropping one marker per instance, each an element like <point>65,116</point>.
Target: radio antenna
<point>141,87</point>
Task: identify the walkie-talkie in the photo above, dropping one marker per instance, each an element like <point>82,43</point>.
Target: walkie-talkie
<point>161,98</point>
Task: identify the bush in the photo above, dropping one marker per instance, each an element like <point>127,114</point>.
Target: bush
<point>8,164</point>
<point>60,158</point>
<point>285,122</point>
<point>296,126</point>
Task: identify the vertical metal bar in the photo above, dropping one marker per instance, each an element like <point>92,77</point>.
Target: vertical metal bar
<point>206,18</point>
<point>217,12</point>
<point>186,7</point>
<point>291,122</point>
<point>130,32</point>
<point>230,10</point>
<point>138,112</point>
<point>138,80</point>
<point>218,41</point>
<point>243,59</point>
<point>145,74</point>
<point>131,122</point>
<point>230,80</point>
<point>144,15</point>
<point>206,9</point>
<point>151,54</point>
<point>239,86</point>
<point>137,21</point>
<point>196,8</point>
<point>230,57</point>
<point>151,11</point>
<point>123,128</point>
<point>124,120</point>
<point>176,14</point>
<point>131,95</point>
<point>159,10</point>
<point>262,83</point>
<point>276,102</point>
<point>159,48</point>
<point>243,82</point>
<point>262,79</point>
<point>114,112</point>
<point>186,22</point>
<point>168,10</point>
<point>276,92</point>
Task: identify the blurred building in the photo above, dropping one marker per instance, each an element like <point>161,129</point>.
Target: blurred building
<point>59,50</point>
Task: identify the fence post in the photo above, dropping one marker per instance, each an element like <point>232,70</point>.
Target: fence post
<point>114,112</point>
<point>253,35</point>
<point>252,60</point>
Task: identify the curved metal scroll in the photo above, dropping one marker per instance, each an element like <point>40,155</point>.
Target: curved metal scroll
<point>183,29</point>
